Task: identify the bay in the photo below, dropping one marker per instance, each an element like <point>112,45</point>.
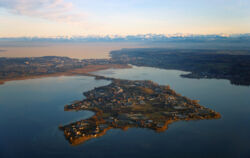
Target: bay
<point>32,110</point>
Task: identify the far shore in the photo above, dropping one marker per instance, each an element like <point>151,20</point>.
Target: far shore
<point>74,72</point>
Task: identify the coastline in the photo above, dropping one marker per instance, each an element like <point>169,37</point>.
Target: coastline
<point>74,72</point>
<point>125,104</point>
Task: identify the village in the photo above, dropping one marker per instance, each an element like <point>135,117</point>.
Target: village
<point>126,104</point>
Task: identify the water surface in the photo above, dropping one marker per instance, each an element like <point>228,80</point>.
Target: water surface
<point>79,50</point>
<point>32,110</point>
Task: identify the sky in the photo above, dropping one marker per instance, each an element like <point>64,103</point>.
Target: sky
<point>50,18</point>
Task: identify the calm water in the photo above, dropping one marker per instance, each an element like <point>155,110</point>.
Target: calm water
<point>32,110</point>
<point>85,50</point>
<point>100,50</point>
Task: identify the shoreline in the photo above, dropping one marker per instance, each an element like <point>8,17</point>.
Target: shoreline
<point>85,71</point>
<point>125,104</point>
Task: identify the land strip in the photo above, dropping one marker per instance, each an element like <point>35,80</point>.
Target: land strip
<point>233,65</point>
<point>31,68</point>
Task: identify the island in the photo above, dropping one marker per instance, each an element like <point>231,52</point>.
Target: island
<point>127,104</point>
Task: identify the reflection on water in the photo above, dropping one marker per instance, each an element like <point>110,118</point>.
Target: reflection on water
<point>95,50</point>
<point>31,110</point>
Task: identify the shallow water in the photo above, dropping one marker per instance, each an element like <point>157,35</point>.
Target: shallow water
<point>32,110</point>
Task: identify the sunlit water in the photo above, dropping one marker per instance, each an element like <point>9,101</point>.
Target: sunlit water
<point>87,50</point>
<point>32,110</point>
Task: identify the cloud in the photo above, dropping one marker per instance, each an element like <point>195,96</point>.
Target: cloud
<point>54,10</point>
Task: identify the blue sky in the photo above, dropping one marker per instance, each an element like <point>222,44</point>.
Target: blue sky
<point>48,18</point>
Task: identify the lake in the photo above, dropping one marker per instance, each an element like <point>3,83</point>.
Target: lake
<point>84,50</point>
<point>100,50</point>
<point>32,110</point>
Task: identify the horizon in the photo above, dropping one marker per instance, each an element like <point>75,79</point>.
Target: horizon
<point>124,78</point>
<point>69,18</point>
<point>146,35</point>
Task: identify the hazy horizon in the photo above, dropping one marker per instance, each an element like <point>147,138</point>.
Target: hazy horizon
<point>73,50</point>
<point>45,18</point>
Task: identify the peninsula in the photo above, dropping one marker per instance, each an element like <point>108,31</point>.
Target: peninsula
<point>50,66</point>
<point>121,104</point>
<point>127,104</point>
<point>233,65</point>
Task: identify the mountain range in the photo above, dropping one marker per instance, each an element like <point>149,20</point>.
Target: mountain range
<point>139,38</point>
